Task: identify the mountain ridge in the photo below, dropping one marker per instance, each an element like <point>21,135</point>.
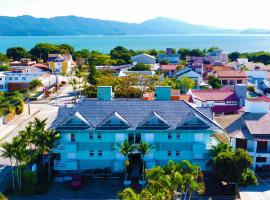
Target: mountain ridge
<point>27,25</point>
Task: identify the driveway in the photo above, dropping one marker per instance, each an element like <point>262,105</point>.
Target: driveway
<point>99,188</point>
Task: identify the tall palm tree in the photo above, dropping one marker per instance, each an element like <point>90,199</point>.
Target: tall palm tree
<point>144,148</point>
<point>49,139</point>
<point>8,152</point>
<point>74,83</point>
<point>125,149</point>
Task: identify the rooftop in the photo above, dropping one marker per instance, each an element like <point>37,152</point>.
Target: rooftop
<point>222,94</point>
<point>232,74</point>
<point>171,114</point>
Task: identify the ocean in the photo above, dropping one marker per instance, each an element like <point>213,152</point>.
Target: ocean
<point>229,43</point>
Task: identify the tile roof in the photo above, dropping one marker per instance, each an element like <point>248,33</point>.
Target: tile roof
<point>222,94</point>
<point>247,125</point>
<point>231,74</point>
<point>168,67</point>
<point>135,111</point>
<point>225,109</point>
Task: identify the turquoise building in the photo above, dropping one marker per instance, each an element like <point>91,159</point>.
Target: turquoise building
<point>90,130</point>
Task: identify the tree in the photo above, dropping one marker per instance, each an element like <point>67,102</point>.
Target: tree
<point>214,82</point>
<point>144,148</point>
<point>234,56</point>
<point>66,49</point>
<point>92,72</point>
<point>8,152</point>
<point>164,62</point>
<point>141,67</point>
<point>121,53</point>
<point>184,84</point>
<point>41,50</point>
<point>128,194</point>
<point>125,149</point>
<point>74,87</point>
<point>4,68</point>
<point>233,166</point>
<point>17,53</point>
<point>34,84</point>
<point>3,59</point>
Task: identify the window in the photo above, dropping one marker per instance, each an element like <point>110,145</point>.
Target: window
<point>99,153</point>
<point>99,136</point>
<point>169,136</point>
<point>72,137</point>
<point>23,78</point>
<point>239,81</point>
<point>16,78</point>
<point>91,153</point>
<point>261,159</point>
<point>91,136</point>
<point>10,78</point>
<point>0,79</point>
<point>177,153</point>
<point>198,137</point>
<point>131,138</point>
<point>169,153</point>
<point>137,138</point>
<point>178,136</point>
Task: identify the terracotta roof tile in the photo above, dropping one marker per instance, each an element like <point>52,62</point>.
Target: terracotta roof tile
<point>231,74</point>
<point>223,94</point>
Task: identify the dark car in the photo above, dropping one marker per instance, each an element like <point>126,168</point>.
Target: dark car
<point>76,182</point>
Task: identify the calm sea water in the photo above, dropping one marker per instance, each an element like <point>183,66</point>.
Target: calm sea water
<point>242,43</point>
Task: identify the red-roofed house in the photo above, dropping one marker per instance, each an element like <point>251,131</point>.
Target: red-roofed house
<point>221,101</point>
<point>232,77</point>
<point>175,96</point>
<point>169,69</point>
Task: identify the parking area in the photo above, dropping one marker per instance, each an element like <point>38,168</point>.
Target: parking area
<point>94,188</point>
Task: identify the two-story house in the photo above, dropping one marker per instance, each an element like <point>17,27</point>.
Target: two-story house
<point>250,131</point>
<point>90,130</point>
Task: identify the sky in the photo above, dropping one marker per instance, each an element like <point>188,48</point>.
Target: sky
<point>238,14</point>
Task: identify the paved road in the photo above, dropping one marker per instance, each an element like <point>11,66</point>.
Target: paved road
<point>42,109</point>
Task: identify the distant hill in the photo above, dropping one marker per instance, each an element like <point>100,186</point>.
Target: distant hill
<point>72,25</point>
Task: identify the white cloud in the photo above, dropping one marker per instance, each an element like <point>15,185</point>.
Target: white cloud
<point>227,13</point>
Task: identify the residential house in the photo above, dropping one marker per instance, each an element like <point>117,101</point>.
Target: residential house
<point>187,72</point>
<point>251,131</point>
<point>60,63</point>
<point>170,56</point>
<point>221,101</point>
<point>168,70</point>
<point>217,57</point>
<point>144,59</point>
<point>90,130</point>
<point>232,77</point>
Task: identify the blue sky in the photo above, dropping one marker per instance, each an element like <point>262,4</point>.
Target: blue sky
<point>226,13</point>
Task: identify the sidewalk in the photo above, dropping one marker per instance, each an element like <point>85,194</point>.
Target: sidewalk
<point>6,129</point>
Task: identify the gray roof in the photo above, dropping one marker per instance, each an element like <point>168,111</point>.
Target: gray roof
<point>134,112</point>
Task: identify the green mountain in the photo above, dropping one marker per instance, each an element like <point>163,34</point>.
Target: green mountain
<point>72,25</point>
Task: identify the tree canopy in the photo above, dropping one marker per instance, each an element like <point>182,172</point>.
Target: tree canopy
<point>17,53</point>
<point>214,82</point>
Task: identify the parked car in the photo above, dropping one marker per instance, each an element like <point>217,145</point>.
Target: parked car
<point>76,182</point>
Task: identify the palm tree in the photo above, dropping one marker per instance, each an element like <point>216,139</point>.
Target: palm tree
<point>50,137</point>
<point>34,84</point>
<point>144,148</point>
<point>74,83</point>
<point>8,152</point>
<point>125,149</point>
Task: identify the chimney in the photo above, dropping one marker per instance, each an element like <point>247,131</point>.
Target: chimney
<point>256,106</point>
<point>104,93</point>
<point>163,93</point>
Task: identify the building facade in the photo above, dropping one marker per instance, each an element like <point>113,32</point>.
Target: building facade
<point>60,63</point>
<point>90,130</point>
